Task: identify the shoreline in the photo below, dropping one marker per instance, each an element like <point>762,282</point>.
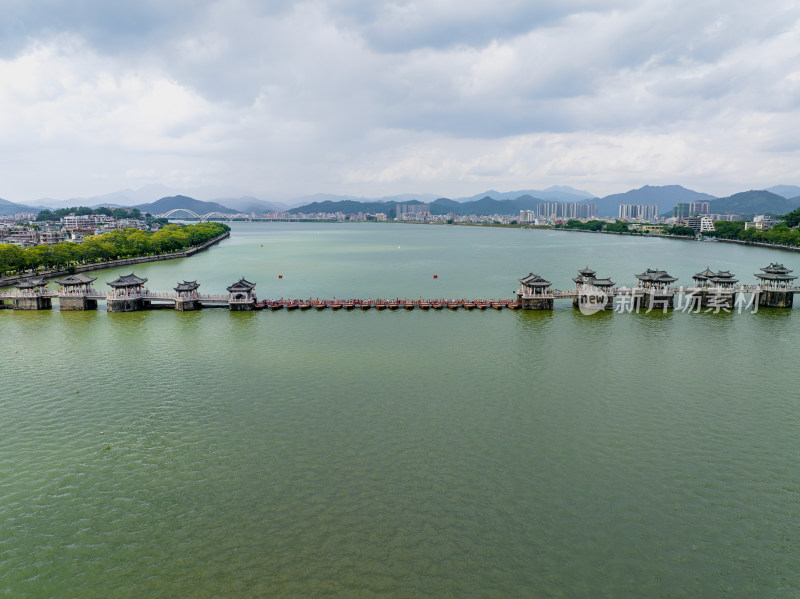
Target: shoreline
<point>50,274</point>
<point>770,246</point>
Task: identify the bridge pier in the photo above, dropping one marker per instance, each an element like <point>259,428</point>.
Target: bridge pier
<point>775,298</point>
<point>32,302</point>
<point>654,299</point>
<point>535,302</point>
<point>125,304</point>
<point>76,303</point>
<point>720,299</point>
<point>187,304</point>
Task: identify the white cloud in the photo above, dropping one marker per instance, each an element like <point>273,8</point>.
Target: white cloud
<point>378,97</point>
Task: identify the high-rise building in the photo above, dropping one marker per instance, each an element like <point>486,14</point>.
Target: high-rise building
<point>566,210</point>
<point>682,210</point>
<point>696,208</point>
<point>413,211</point>
<point>638,211</point>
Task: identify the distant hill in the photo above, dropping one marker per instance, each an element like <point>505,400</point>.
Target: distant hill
<point>485,206</point>
<point>787,191</point>
<point>10,208</point>
<point>665,196</point>
<point>555,193</point>
<point>348,207</point>
<point>174,202</point>
<point>754,202</point>
<point>319,198</point>
<point>248,204</point>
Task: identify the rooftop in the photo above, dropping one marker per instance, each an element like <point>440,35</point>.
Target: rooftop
<point>79,279</point>
<point>242,285</point>
<point>533,280</point>
<point>130,280</point>
<point>655,276</point>
<point>187,286</point>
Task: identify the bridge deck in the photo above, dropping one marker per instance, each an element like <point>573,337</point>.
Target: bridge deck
<point>393,304</point>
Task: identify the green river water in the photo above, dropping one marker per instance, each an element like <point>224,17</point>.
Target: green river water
<point>408,453</point>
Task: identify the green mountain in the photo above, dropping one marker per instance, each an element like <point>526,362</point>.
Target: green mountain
<point>348,207</point>
<point>483,207</point>
<point>754,202</point>
<point>174,202</point>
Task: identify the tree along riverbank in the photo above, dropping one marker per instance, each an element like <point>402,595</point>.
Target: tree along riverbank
<point>60,272</point>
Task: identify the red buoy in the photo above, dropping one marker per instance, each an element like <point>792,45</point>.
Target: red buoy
<point>435,276</point>
<point>280,276</point>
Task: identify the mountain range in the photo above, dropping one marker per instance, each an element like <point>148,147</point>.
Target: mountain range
<point>774,200</point>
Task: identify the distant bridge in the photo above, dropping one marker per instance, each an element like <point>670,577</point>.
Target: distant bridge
<point>205,217</point>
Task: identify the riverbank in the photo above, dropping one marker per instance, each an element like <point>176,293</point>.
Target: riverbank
<point>771,246</point>
<point>49,274</point>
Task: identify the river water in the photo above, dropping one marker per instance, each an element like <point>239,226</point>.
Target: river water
<point>408,453</point>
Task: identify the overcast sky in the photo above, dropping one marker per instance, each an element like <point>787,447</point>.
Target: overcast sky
<point>364,97</point>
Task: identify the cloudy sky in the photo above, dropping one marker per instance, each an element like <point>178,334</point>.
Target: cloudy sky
<point>365,97</point>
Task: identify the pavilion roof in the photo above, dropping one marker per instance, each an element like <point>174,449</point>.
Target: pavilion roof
<point>586,276</point>
<point>603,283</point>
<point>31,283</point>
<point>706,274</point>
<point>775,272</point>
<point>242,285</point>
<point>533,280</point>
<point>187,286</point>
<point>725,280</point>
<point>78,279</point>
<point>655,276</point>
<point>130,280</point>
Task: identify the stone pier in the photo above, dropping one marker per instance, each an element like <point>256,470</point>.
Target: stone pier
<point>535,303</point>
<point>125,304</point>
<point>76,302</point>
<point>775,298</point>
<point>654,299</point>
<point>32,302</point>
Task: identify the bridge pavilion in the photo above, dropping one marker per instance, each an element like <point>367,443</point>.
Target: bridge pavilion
<point>654,290</point>
<point>535,293</point>
<point>187,296</point>
<point>590,289</point>
<point>127,294</point>
<point>32,295</point>
<point>74,293</point>
<point>242,296</point>
<point>714,289</point>
<point>775,284</point>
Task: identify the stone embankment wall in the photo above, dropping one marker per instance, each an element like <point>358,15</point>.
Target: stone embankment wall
<point>49,274</point>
